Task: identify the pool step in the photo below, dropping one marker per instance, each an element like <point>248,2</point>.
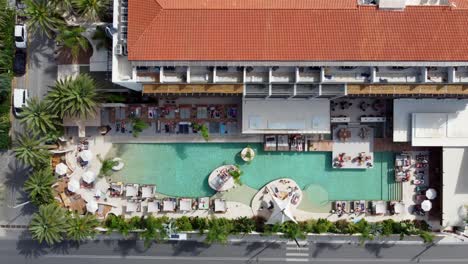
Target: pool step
<point>395,191</point>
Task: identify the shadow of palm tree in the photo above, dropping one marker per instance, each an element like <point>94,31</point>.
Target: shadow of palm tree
<point>195,248</point>
<point>320,247</point>
<point>30,248</point>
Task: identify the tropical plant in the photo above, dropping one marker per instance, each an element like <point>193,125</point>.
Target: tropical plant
<point>218,230</point>
<point>42,17</point>
<point>73,39</point>
<point>74,97</point>
<point>48,224</point>
<point>293,231</point>
<point>138,125</point>
<point>30,151</point>
<point>39,186</point>
<point>90,9</point>
<point>154,229</point>
<point>199,223</point>
<point>236,174</point>
<point>106,165</point>
<point>183,224</point>
<point>37,118</point>
<point>101,38</point>
<point>117,223</point>
<point>81,227</point>
<point>61,6</point>
<point>322,226</point>
<point>243,225</point>
<point>427,236</point>
<point>203,130</point>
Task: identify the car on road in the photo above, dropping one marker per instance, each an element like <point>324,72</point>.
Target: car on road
<point>21,36</point>
<point>19,63</point>
<point>20,100</point>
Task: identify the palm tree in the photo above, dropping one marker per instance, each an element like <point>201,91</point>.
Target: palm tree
<point>30,151</point>
<point>38,118</point>
<point>48,224</point>
<point>82,227</point>
<point>62,6</point>
<point>39,186</point>
<point>42,16</point>
<point>73,39</point>
<point>74,97</point>
<point>102,40</point>
<point>90,9</point>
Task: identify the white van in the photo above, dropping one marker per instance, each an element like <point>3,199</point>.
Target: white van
<point>20,100</point>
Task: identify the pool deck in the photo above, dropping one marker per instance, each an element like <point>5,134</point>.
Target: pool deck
<point>100,146</point>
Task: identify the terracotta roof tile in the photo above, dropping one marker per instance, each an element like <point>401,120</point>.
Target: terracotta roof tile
<point>303,34</point>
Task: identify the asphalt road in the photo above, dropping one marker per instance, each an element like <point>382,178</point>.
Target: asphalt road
<point>24,250</point>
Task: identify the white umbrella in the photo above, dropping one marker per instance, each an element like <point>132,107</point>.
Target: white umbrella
<point>61,169</point>
<point>73,185</point>
<point>282,211</point>
<point>399,208</point>
<point>91,206</point>
<point>89,176</point>
<point>431,193</point>
<point>86,155</point>
<point>426,205</point>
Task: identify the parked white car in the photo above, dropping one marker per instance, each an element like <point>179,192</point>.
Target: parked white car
<point>21,36</point>
<point>20,100</point>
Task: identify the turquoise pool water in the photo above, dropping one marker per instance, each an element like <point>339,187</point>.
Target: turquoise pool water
<point>183,169</point>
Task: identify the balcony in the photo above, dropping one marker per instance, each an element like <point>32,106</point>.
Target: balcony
<point>308,75</point>
<point>347,74</point>
<point>437,75</point>
<point>282,90</point>
<point>283,74</point>
<point>229,74</point>
<point>307,90</point>
<point>201,74</point>
<point>256,74</point>
<point>256,90</point>
<point>461,74</point>
<point>397,75</point>
<point>147,74</point>
<point>174,75</point>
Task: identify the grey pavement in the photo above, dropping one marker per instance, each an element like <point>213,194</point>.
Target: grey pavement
<point>118,251</point>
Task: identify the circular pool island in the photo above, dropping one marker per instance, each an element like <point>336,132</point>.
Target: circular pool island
<point>247,154</point>
<point>221,180</point>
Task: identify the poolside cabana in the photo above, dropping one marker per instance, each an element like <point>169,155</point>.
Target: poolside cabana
<point>61,169</point>
<point>131,190</point>
<point>220,206</point>
<point>169,205</point>
<point>204,203</point>
<point>154,206</point>
<point>86,155</point>
<point>147,191</point>
<point>116,189</point>
<point>185,204</point>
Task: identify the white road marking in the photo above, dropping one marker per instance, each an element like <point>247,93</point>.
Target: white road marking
<point>294,254</point>
<point>297,260</point>
<point>298,248</point>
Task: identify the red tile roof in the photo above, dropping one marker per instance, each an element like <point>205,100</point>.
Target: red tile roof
<point>289,30</point>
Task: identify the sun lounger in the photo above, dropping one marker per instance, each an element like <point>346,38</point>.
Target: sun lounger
<point>169,205</point>
<point>204,203</point>
<point>220,206</point>
<point>154,206</point>
<point>185,204</point>
<point>147,191</point>
<point>131,190</point>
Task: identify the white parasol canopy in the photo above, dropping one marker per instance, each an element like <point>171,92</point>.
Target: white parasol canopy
<point>426,205</point>
<point>61,169</point>
<point>282,211</point>
<point>92,206</point>
<point>86,155</point>
<point>89,176</point>
<point>431,193</point>
<point>399,208</point>
<point>73,185</point>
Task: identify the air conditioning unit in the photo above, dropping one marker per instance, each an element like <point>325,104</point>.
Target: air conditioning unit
<point>124,10</point>
<point>118,49</point>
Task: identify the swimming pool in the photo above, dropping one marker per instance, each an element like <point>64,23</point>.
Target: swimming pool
<point>181,169</point>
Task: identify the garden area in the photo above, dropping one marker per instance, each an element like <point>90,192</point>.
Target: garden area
<point>7,23</point>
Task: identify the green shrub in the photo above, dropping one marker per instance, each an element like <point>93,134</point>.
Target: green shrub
<point>183,224</point>
<point>387,227</point>
<point>243,225</point>
<point>138,126</point>
<point>426,236</point>
<point>135,222</point>
<point>199,223</point>
<point>322,226</point>
<point>292,230</point>
<point>203,130</point>
<point>219,230</point>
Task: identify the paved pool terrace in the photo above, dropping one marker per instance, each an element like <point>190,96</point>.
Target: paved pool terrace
<point>181,169</point>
